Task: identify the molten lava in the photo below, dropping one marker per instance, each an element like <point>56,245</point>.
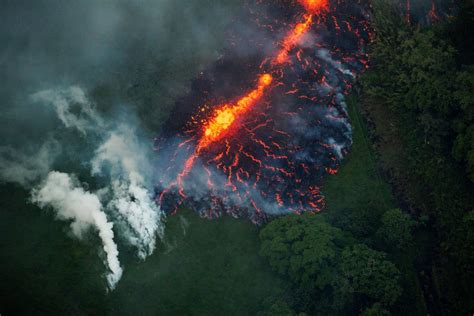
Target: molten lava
<point>292,39</point>
<point>314,6</point>
<point>225,116</point>
<point>268,151</point>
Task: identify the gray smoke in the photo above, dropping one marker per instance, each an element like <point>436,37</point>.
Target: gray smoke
<point>121,159</point>
<point>86,86</point>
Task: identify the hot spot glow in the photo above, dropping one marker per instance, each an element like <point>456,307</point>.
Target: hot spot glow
<point>251,154</point>
<point>224,116</point>
<point>314,6</point>
<point>292,39</point>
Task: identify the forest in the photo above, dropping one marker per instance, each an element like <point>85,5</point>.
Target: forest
<point>394,236</point>
<point>417,104</point>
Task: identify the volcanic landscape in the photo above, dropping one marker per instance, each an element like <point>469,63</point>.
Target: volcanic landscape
<point>261,128</point>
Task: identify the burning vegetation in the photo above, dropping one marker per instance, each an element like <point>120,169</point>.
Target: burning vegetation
<point>264,150</point>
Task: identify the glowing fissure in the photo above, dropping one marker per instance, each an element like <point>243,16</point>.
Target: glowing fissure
<point>266,152</point>
<point>224,116</point>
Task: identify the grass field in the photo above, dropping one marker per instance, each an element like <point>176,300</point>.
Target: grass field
<point>203,267</point>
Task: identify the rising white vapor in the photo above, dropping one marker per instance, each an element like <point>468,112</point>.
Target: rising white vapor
<point>24,168</point>
<point>121,158</point>
<point>126,162</point>
<point>72,107</point>
<point>84,209</point>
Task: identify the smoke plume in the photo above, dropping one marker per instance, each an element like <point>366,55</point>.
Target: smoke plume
<point>64,100</point>
<point>127,165</point>
<point>25,167</point>
<point>85,88</point>
<point>84,209</point>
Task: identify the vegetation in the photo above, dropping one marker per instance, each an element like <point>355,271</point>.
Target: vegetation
<point>321,261</point>
<point>396,229</point>
<point>365,254</point>
<point>399,212</point>
<point>420,86</point>
<point>337,261</point>
<point>204,266</point>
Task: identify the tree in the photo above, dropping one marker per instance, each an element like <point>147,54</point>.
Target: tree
<point>278,308</point>
<point>376,310</point>
<point>463,149</point>
<point>370,274</point>
<point>396,228</point>
<point>303,248</point>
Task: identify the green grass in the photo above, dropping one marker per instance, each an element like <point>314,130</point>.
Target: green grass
<point>43,270</point>
<point>358,183</point>
<point>359,191</point>
<point>205,267</point>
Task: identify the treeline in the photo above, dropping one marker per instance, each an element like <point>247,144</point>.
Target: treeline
<point>419,96</point>
<point>329,270</point>
<point>418,99</point>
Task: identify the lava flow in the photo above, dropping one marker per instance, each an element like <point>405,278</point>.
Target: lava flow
<point>220,122</point>
<point>225,116</point>
<point>266,152</point>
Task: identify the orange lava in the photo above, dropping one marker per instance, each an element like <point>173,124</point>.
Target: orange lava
<point>225,116</point>
<point>294,36</point>
<point>314,6</point>
<point>292,39</point>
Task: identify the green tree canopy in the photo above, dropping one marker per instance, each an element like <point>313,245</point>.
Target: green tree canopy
<point>302,247</point>
<point>376,310</point>
<point>277,308</point>
<point>463,149</point>
<point>369,273</point>
<point>396,228</point>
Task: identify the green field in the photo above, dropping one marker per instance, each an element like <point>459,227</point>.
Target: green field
<point>204,267</point>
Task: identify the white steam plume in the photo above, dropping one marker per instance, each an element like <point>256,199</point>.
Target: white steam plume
<point>123,154</point>
<point>72,107</point>
<point>127,163</point>
<point>24,168</point>
<point>84,209</point>
<point>121,158</point>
